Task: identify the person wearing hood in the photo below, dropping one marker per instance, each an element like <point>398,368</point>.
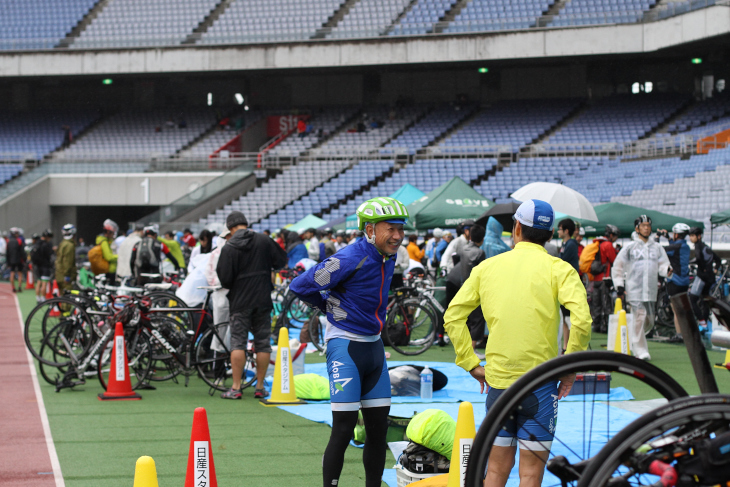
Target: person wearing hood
<point>244,268</point>
<point>295,248</point>
<point>104,240</point>
<point>493,243</point>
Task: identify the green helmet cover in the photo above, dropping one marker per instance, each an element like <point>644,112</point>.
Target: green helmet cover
<point>380,209</point>
<point>434,429</point>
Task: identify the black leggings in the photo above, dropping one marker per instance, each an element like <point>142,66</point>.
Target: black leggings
<point>373,456</point>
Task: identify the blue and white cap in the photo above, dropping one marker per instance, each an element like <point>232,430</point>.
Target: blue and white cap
<point>536,214</point>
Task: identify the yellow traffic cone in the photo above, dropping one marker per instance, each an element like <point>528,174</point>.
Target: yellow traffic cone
<point>622,335</point>
<point>618,306</point>
<point>282,390</point>
<point>724,364</point>
<point>463,439</point>
<point>145,473</point>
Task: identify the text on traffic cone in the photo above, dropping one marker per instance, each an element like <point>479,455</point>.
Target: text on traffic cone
<point>201,469</point>
<point>119,385</point>
<point>282,390</point>
<point>145,473</point>
<point>463,439</point>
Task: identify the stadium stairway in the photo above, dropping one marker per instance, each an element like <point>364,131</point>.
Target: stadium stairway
<point>83,23</point>
<point>568,119</point>
<point>209,20</point>
<point>334,19</point>
<point>400,17</point>
<point>463,123</point>
<point>548,17</point>
<point>451,15</point>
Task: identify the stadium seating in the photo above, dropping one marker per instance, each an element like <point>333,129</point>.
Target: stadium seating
<point>589,12</point>
<point>479,15</point>
<point>514,124</point>
<point>218,138</point>
<point>350,139</point>
<point>39,24</point>
<point>272,20</point>
<point>337,188</point>
<point>369,18</point>
<point>36,133</point>
<point>155,134</point>
<point>421,18</point>
<point>429,128</point>
<point>327,120</point>
<point>139,23</point>
<point>425,174</point>
<point>616,119</point>
<point>701,113</point>
<point>291,184</point>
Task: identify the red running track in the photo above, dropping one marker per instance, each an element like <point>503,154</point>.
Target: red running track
<point>26,447</point>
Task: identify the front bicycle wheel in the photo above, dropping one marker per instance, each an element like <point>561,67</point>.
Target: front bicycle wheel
<point>65,317</point>
<point>410,327</point>
<point>317,332</point>
<point>213,361</point>
<point>679,435</point>
<point>588,419</point>
<point>139,358</point>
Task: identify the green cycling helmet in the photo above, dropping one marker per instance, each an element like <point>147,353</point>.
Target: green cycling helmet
<point>381,209</point>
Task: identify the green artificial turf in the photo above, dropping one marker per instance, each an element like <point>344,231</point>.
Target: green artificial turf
<point>98,442</point>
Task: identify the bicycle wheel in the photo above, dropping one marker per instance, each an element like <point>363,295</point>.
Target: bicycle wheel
<point>67,318</point>
<point>588,420</point>
<point>294,313</point>
<point>678,434</point>
<point>664,321</point>
<point>213,360</point>
<point>317,332</point>
<point>167,338</point>
<point>410,327</point>
<point>162,299</point>
<point>139,357</point>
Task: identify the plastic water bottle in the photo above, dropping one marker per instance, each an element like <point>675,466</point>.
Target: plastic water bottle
<point>426,383</point>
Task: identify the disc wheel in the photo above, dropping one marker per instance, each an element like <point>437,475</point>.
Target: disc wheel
<point>673,434</point>
<point>213,361</point>
<point>410,327</point>
<point>585,421</point>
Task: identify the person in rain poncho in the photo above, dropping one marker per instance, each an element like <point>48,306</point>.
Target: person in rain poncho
<point>493,243</point>
<point>635,273</point>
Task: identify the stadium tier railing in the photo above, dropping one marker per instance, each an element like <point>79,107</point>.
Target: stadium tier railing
<point>406,29</point>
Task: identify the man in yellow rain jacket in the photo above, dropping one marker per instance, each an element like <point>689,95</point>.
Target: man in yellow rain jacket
<point>520,292</point>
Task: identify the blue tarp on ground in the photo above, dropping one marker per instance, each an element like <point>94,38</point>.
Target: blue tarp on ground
<point>606,420</point>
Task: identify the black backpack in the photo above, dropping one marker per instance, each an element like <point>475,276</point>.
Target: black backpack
<point>419,459</point>
<point>146,258</point>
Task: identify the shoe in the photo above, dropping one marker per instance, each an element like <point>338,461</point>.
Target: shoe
<point>231,394</point>
<point>676,338</point>
<point>15,290</point>
<point>441,342</point>
<point>260,394</point>
<point>646,357</point>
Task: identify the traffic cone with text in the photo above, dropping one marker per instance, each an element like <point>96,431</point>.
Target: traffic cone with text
<point>119,385</point>
<point>463,439</point>
<point>622,335</point>
<point>282,390</point>
<point>618,306</point>
<point>201,468</point>
<point>49,290</point>
<point>145,473</point>
<point>29,284</point>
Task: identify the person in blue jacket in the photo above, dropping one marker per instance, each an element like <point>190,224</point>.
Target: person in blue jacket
<point>678,252</point>
<point>295,248</point>
<point>493,243</point>
<point>351,287</point>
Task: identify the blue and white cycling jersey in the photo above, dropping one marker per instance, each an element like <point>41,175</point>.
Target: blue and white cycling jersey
<point>359,306</point>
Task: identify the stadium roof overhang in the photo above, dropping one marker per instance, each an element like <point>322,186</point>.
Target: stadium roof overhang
<point>704,25</point>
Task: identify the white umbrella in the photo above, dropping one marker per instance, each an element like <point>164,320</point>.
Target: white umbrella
<point>562,198</point>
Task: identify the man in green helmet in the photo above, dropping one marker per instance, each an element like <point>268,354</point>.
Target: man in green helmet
<point>351,287</point>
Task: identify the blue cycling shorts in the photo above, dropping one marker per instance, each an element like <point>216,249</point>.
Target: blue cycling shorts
<point>534,426</point>
<point>358,374</point>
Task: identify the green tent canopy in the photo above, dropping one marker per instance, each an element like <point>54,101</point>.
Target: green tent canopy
<point>623,217</point>
<point>720,218</point>
<point>447,206</point>
<point>406,194</point>
<point>309,221</point>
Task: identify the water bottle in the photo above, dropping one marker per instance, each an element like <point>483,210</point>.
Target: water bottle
<point>426,383</point>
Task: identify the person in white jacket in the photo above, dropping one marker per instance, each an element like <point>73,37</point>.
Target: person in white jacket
<point>221,312</point>
<point>456,245</point>
<point>635,275</point>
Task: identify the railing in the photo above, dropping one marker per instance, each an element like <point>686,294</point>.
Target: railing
<point>403,29</point>
<point>15,157</point>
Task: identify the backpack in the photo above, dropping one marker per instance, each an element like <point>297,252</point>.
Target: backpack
<point>146,258</point>
<point>590,259</point>
<point>99,265</point>
<point>419,459</point>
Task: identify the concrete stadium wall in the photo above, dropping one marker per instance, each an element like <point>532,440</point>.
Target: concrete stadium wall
<point>57,199</point>
<point>601,40</point>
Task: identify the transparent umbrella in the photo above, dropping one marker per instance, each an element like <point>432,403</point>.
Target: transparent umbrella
<point>562,198</point>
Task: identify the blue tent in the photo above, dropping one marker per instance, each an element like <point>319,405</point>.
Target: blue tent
<point>406,194</point>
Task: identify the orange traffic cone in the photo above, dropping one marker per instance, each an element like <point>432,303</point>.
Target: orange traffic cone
<point>119,385</point>
<point>29,284</point>
<point>55,291</point>
<point>201,468</point>
<point>49,290</point>
<point>54,312</point>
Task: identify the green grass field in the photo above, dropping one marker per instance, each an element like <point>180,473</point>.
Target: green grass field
<point>98,442</point>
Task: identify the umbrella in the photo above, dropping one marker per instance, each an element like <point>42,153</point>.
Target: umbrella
<point>502,212</point>
<point>562,198</point>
